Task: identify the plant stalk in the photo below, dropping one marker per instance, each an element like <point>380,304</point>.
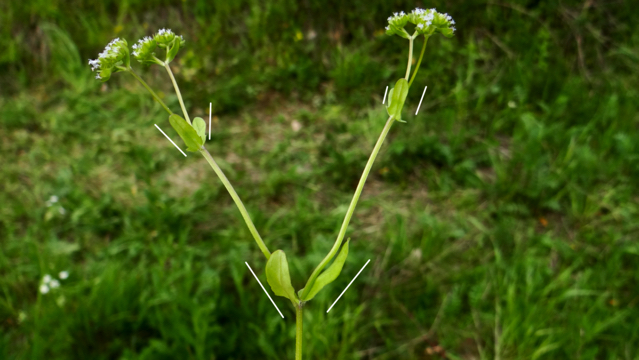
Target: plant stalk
<point>155,96</point>
<point>177,91</point>
<point>299,319</point>
<point>410,57</point>
<point>351,209</point>
<point>238,202</point>
<point>419,62</point>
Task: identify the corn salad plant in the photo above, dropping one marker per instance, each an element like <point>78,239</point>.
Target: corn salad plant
<point>165,44</point>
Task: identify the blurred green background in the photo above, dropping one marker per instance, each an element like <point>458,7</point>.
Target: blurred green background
<point>501,222</point>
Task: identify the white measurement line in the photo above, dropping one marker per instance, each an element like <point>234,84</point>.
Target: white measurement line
<point>385,92</point>
<point>340,295</point>
<point>210,109</point>
<point>420,100</point>
<point>170,139</point>
<point>269,296</point>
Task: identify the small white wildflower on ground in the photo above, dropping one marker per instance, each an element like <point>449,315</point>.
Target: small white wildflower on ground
<point>54,284</point>
<point>44,289</point>
<point>46,279</point>
<point>63,275</point>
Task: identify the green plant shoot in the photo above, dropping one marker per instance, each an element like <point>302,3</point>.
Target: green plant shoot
<point>116,58</point>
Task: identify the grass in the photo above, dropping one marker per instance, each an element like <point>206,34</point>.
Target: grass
<point>501,222</point>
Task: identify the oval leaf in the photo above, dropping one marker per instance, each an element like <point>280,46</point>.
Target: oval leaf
<point>330,274</point>
<point>200,127</point>
<point>278,276</point>
<point>397,97</point>
<point>192,140</point>
<point>174,50</point>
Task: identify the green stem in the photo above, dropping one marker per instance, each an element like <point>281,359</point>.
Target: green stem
<point>419,62</point>
<point>155,96</point>
<point>238,202</point>
<point>351,209</point>
<point>298,331</point>
<point>177,91</point>
<point>410,57</point>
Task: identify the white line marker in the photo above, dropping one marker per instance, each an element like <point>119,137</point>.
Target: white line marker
<point>269,296</point>
<point>340,295</point>
<point>210,109</point>
<point>385,92</point>
<point>170,139</point>
<point>420,100</point>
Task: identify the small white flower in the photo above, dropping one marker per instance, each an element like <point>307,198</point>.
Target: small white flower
<point>61,210</point>
<point>44,289</point>
<point>135,46</point>
<point>420,26</point>
<point>46,279</point>
<point>97,76</point>
<point>54,284</point>
<point>53,199</point>
<point>63,275</point>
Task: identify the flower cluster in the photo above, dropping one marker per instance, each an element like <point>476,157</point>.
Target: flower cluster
<point>143,50</point>
<point>427,22</point>
<point>49,282</point>
<point>166,39</point>
<point>115,54</point>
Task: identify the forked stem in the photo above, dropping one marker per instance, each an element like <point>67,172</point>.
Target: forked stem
<point>419,62</point>
<point>351,209</point>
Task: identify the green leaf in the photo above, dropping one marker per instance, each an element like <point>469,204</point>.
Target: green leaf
<point>397,96</point>
<point>330,274</point>
<point>200,127</point>
<point>174,50</point>
<point>278,276</point>
<point>192,140</point>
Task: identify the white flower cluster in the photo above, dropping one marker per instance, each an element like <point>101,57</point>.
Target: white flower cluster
<point>52,201</point>
<point>49,282</point>
<point>427,22</point>
<point>114,54</point>
<point>147,40</point>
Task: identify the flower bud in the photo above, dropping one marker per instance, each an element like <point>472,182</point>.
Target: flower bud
<point>112,59</point>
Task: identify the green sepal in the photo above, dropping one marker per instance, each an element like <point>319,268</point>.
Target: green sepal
<point>447,32</point>
<point>278,276</point>
<point>192,140</point>
<point>396,99</point>
<point>329,275</point>
<point>105,74</point>
<point>200,127</point>
<point>174,50</point>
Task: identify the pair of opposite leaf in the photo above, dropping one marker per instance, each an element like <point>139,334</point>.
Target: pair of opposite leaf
<point>193,135</point>
<point>396,99</point>
<point>279,279</point>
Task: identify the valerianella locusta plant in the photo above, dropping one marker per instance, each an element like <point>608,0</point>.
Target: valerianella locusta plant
<point>165,42</point>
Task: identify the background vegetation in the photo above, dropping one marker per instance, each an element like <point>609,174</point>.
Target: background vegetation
<point>501,222</point>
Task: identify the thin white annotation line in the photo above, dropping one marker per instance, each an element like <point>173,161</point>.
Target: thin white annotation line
<point>420,100</point>
<point>340,295</point>
<point>385,92</point>
<point>269,296</point>
<point>170,139</point>
<point>210,109</point>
